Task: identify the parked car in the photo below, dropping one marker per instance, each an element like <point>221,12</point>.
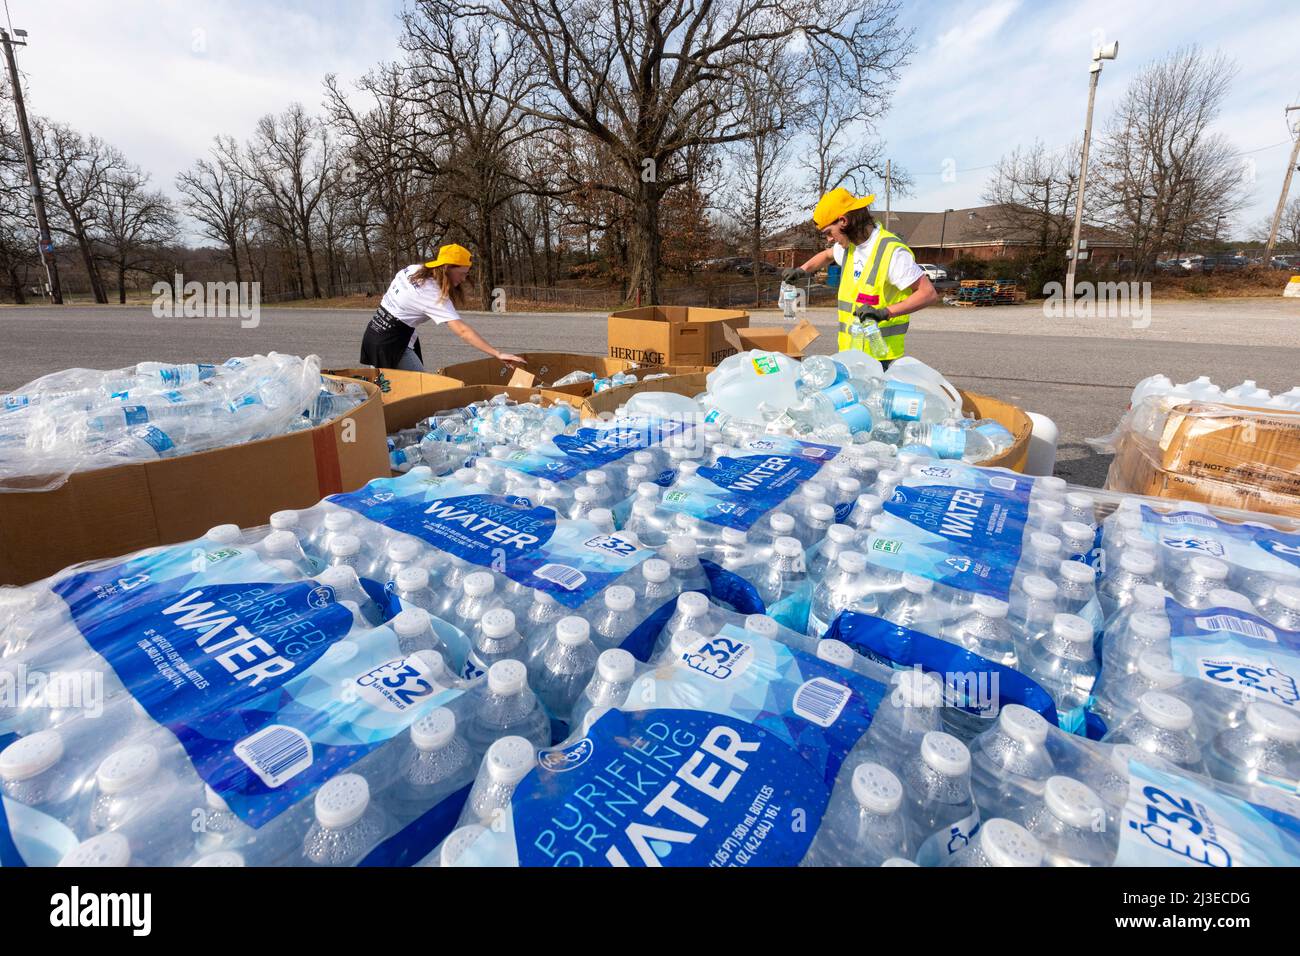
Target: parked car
<point>1223,263</point>
<point>746,267</point>
<point>935,273</point>
<point>1191,263</point>
<point>1289,263</point>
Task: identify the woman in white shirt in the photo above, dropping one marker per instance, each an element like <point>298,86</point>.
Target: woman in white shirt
<point>420,293</point>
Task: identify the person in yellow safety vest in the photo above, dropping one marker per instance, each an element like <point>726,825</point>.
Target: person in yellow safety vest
<point>880,280</point>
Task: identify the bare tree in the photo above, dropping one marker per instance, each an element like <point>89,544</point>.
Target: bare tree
<point>217,194</point>
<point>1033,190</point>
<point>134,224</point>
<point>1164,178</point>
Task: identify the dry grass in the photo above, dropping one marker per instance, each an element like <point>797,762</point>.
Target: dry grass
<point>1258,282</point>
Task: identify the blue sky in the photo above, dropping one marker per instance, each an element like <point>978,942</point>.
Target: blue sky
<point>159,78</point>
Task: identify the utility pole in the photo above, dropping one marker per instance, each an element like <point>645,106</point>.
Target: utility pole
<point>1108,52</point>
<point>44,244</point>
<point>888,172</point>
<point>1286,188</point>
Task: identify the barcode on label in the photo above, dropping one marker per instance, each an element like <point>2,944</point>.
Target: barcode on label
<point>566,577</point>
<point>821,701</point>
<point>276,754</point>
<point>1237,625</point>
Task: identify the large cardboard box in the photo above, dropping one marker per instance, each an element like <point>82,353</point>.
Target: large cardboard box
<point>792,340</point>
<point>1217,454</point>
<point>674,334</point>
<point>409,411</point>
<point>395,384</point>
<point>543,369</point>
<point>114,511</point>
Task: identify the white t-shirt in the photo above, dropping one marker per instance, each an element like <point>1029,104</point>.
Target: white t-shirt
<point>417,304</point>
<point>903,270</point>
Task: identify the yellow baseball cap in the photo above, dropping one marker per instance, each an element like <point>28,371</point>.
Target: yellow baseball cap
<point>837,203</point>
<point>452,255</point>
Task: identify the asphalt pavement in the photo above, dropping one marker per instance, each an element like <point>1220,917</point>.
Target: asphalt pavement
<point>1077,372</point>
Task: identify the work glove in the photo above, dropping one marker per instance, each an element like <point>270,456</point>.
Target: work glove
<point>793,275</point>
<point>871,313</point>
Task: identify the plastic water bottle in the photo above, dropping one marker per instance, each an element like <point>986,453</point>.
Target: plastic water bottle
<point>477,598</point>
<point>617,619</point>
<point>864,824</point>
<point>434,763</point>
<point>1117,587</point>
<point>402,552</point>
<point>1192,589</point>
<point>646,522</point>
<point>915,606</point>
<point>1063,662</point>
<point>1285,609</point>
<point>1264,750</point>
<point>411,585</point>
<point>693,613</point>
<point>906,714</point>
<point>839,539</point>
<point>1147,599</point>
<point>999,842</point>
<point>505,764</point>
<point>335,522</point>
<point>656,587</point>
<point>1046,515</point>
<point>815,523</point>
<point>683,556</point>
<point>1162,726</point>
<point>543,613</point>
<point>1081,507</point>
<point>984,630</point>
<point>607,689</point>
<point>1117,699</point>
<point>847,588</point>
<point>1122,645</point>
<point>1078,587</point>
<point>941,810</point>
<point>865,508</point>
<point>783,586</point>
<point>496,639</point>
<point>281,550</point>
<point>1042,554</point>
<point>39,772</point>
<point>1010,761</point>
<point>415,632</point>
<point>562,667</point>
<point>110,849</point>
<point>505,706</point>
<point>1032,608</point>
<point>1070,823</point>
<point>345,551</point>
<point>132,781</point>
<point>1077,537</point>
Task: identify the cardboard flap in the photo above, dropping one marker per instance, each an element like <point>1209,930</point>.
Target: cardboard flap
<point>802,334</point>
<point>521,379</point>
<point>732,338</point>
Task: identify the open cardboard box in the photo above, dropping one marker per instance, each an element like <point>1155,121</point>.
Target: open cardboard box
<point>113,511</point>
<point>409,411</point>
<point>543,368</point>
<point>674,334</point>
<point>791,340</point>
<point>396,384</point>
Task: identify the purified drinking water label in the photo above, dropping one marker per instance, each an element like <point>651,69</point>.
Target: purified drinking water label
<point>722,757</point>
<point>1253,546</point>
<point>1172,820</point>
<point>1236,652</point>
<point>568,456</point>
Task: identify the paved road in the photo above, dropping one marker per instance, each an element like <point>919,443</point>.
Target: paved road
<point>1077,371</point>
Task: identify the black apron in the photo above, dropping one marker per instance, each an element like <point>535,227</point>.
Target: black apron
<point>385,340</point>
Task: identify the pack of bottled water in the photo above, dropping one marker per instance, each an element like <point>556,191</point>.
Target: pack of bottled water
<point>82,419</point>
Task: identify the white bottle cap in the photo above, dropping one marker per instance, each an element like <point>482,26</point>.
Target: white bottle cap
<point>1080,500</point>
<point>585,494</point>
<point>541,597</point>
<point>1076,572</point>
<point>989,606</point>
<point>402,550</point>
<point>338,521</point>
<point>876,788</point>
<point>507,678</point>
<point>692,604</point>
<point>1043,543</point>
<point>434,730</point>
<point>914,688</point>
<point>1039,588</point>
<point>656,570</point>
<point>410,622</point>
<point>1073,803</point>
<point>1274,721</point>
<point>1287,595</point>
<point>420,473</point>
<point>1022,724</point>
<point>500,453</point>
<point>1072,628</point>
<point>762,625</point>
<point>1158,670</point>
<point>734,537</point>
<point>285,520</point>
<point>1150,596</point>
<point>1077,531</point>
<point>430,663</point>
<point>852,562</point>
<point>126,768</point>
<point>572,631</point>
<point>1004,843</point>
<point>341,800</point>
<point>821,512</point>
<point>813,491</point>
<point>497,623</point>
<point>479,584</point>
<point>29,756</point>
<point>223,534</point>
<point>945,754</point>
<point>644,506</point>
<point>344,545</point>
<point>781,523</point>
<point>340,577</point>
<point>915,584</point>
<point>107,849</point>
<point>900,861</point>
<point>1051,484</point>
<point>412,579</point>
<point>221,858</point>
<point>458,842</point>
<point>509,759</point>
<point>889,477</point>
<point>620,597</point>
<point>600,516</point>
<point>840,534</point>
<point>1165,711</point>
<point>835,652</point>
<point>616,666</point>
<point>597,479</point>
<point>788,547</point>
<point>648,490</point>
<point>1138,562</point>
<point>684,640</point>
<point>280,542</point>
<point>1211,568</point>
<point>870,503</point>
<point>1047,508</point>
<point>1148,626</point>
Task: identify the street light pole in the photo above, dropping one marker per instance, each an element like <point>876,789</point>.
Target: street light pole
<point>943,228</point>
<point>1281,201</point>
<point>44,244</point>
<point>1108,52</point>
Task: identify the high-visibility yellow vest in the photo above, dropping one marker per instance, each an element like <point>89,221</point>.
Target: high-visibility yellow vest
<point>871,285</point>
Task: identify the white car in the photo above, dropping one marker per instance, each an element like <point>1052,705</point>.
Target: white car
<point>932,271</point>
